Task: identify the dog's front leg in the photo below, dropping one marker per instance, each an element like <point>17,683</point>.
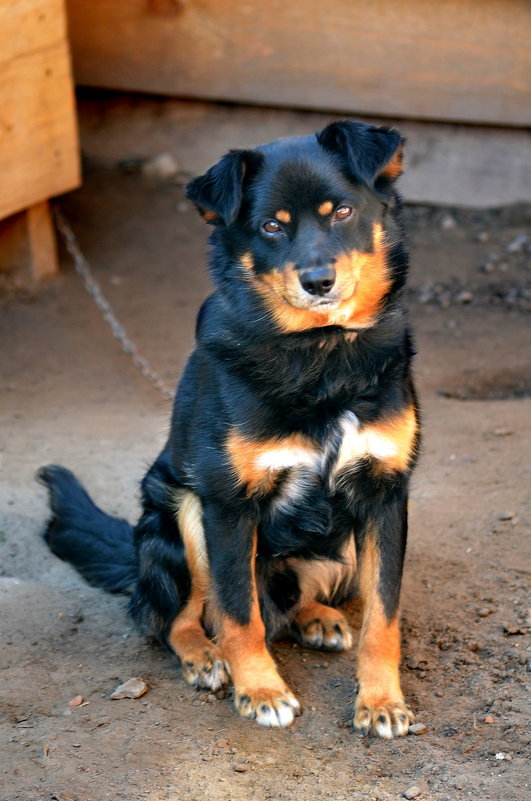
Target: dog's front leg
<point>381,539</point>
<point>259,691</point>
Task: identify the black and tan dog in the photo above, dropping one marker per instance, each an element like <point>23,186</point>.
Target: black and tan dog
<point>283,485</point>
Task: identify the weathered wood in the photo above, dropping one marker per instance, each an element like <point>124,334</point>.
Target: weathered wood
<point>39,148</point>
<point>42,243</point>
<point>456,165</point>
<point>28,25</point>
<point>28,242</point>
<point>465,60</point>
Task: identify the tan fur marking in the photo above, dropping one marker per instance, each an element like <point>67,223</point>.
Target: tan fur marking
<point>393,168</point>
<point>321,578</point>
<point>283,216</point>
<point>256,463</point>
<point>379,649</point>
<point>247,262</point>
<point>380,705</point>
<point>257,683</point>
<point>362,280</point>
<point>320,626</point>
<point>208,215</point>
<point>391,441</point>
<point>201,660</point>
<point>325,208</point>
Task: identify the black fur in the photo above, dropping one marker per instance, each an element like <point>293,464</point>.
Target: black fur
<point>254,374</point>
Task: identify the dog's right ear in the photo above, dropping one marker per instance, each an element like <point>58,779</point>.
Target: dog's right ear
<point>218,193</point>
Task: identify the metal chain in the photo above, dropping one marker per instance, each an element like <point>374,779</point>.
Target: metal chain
<point>93,288</point>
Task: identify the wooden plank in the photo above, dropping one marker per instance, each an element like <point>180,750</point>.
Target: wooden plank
<point>28,25</point>
<point>39,149</point>
<point>42,242</point>
<point>465,60</point>
<point>28,242</point>
<point>455,165</point>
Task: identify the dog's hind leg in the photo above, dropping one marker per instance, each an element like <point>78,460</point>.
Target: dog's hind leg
<point>323,627</point>
<point>201,660</point>
<point>169,599</point>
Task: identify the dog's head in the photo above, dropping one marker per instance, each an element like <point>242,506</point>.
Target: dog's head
<point>303,225</point>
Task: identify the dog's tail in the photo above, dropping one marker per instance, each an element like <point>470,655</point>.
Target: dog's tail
<point>99,546</point>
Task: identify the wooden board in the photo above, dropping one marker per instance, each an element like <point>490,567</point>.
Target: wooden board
<point>445,164</point>
<point>462,60</point>
<point>28,25</point>
<point>39,146</point>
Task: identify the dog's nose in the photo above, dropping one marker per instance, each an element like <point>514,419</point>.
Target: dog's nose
<point>318,280</point>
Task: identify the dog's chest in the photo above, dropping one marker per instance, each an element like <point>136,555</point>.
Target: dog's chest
<point>299,461</point>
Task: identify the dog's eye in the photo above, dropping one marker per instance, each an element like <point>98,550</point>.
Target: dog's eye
<point>343,212</point>
<point>271,227</point>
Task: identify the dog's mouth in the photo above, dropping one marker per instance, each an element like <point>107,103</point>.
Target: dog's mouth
<point>307,302</point>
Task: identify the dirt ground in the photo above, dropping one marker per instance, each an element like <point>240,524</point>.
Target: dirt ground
<point>69,395</point>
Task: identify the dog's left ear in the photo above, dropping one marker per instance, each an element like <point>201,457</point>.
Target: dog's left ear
<point>372,155</point>
<point>218,193</point>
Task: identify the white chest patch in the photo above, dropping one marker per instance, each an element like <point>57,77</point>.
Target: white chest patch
<point>358,443</point>
<point>283,458</point>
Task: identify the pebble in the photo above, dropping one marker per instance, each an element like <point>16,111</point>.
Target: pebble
<point>417,728</point>
<point>412,792</point>
<point>507,516</point>
<point>490,719</point>
<point>133,688</point>
<point>517,244</point>
<point>486,267</point>
<point>77,700</point>
<point>162,167</point>
<point>465,297</point>
<point>485,611</point>
<point>503,432</point>
<point>502,755</point>
<point>448,222</point>
<point>483,236</point>
<point>240,767</point>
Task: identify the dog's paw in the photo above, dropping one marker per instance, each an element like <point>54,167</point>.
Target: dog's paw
<point>326,630</point>
<point>205,667</point>
<point>385,718</point>
<point>269,707</point>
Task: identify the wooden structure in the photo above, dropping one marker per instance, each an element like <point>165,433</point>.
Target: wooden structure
<point>457,60</point>
<point>38,135</point>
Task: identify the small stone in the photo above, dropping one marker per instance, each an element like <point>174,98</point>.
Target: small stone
<point>485,611</point>
<point>412,792</point>
<point>240,767</point>
<point>133,688</point>
<point>514,628</point>
<point>417,728</point>
<point>486,267</point>
<point>77,700</point>
<point>517,244</point>
<point>502,755</point>
<point>503,432</point>
<point>465,297</point>
<point>161,167</point>
<point>483,236</point>
<point>507,516</point>
<point>448,222</point>
<point>490,719</point>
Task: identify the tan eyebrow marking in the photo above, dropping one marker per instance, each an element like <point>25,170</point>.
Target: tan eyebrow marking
<point>283,216</point>
<point>246,261</point>
<point>325,208</point>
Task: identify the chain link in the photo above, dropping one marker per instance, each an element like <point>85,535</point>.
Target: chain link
<point>93,288</point>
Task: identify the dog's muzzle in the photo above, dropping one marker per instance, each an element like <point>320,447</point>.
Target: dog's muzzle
<point>318,280</point>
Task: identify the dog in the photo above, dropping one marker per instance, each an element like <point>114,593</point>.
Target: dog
<point>282,488</point>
